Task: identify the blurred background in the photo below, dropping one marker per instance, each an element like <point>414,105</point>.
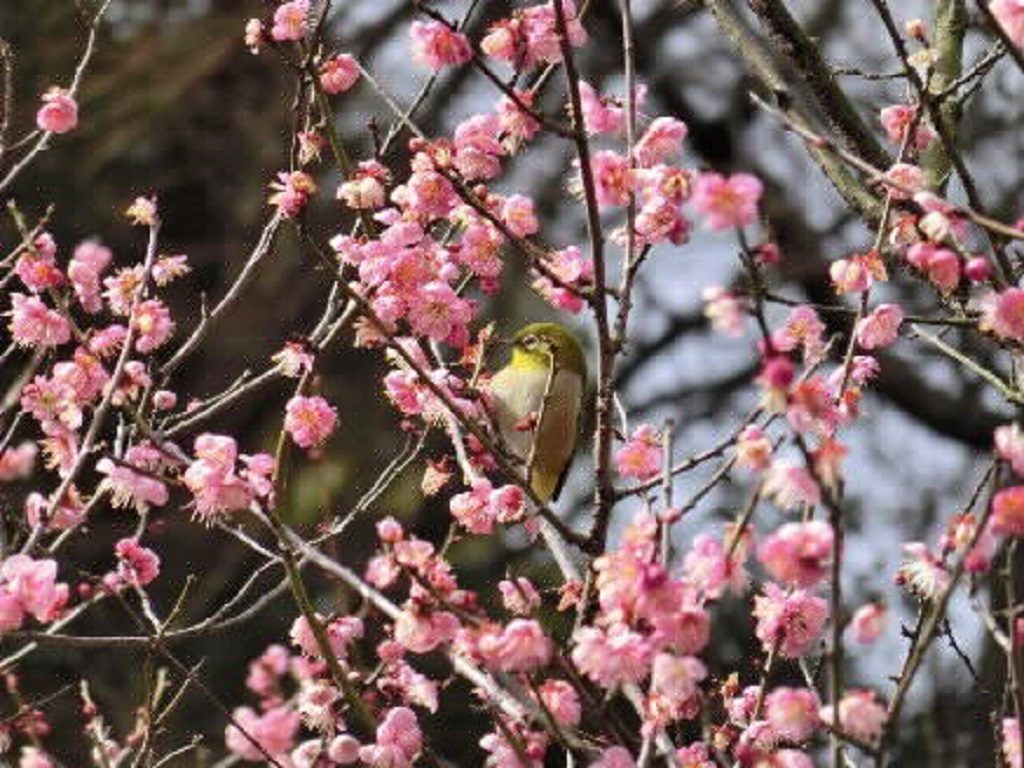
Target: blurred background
<point>174,104</point>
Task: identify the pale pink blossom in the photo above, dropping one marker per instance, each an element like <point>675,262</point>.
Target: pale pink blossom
<point>344,749</point>
<point>663,139</point>
<point>904,180</point>
<point>792,713</point>
<point>724,310</point>
<point>641,456</point>
<point>519,595</point>
<point>789,622</point>
<point>712,568</point>
<point>88,262</point>
<point>881,327</point>
<point>35,757</point>
<point>16,463</point>
<point>868,622</point>
<point>1011,725</point>
<point>753,449</point>
<point>399,741</point>
<point>798,553</point>
<point>143,211</point>
<point>423,632</point>
<point>522,646</point>
<point>33,583</point>
<point>290,21</point>
<point>436,45</point>
<point>131,488</point>
<point>612,657</point>
<point>791,486</point>
<point>274,730</point>
<point>601,115</point>
<point>517,213</point>
<point>59,112</point>
<point>339,73</point>
<point>614,757</point>
<point>729,201</point>
<point>803,329</point>
<point>897,120</point>
<point>212,478</point>
<point>613,178</point>
<point>153,325</point>
<point>1009,444</point>
<point>922,572</point>
<point>860,714</point>
<point>1003,314</point>
<point>310,420</point>
<point>675,682</point>
<point>1010,15</point>
<point>562,702</point>
<point>254,35</point>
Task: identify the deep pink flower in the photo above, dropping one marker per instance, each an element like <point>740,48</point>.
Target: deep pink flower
<point>727,201</point>
<point>310,420</point>
<point>291,192</point>
<point>34,324</point>
<point>790,622</point>
<point>641,456</point>
<point>613,178</point>
<point>1008,511</point>
<point>436,45</point>
<point>601,115</point>
<point>290,21</point>
<point>708,568</point>
<point>339,73</point>
<point>136,564</point>
<point>59,113</point>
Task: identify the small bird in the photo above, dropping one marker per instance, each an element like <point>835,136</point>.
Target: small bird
<point>541,432</point>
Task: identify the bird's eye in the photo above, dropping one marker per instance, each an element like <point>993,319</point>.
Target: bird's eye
<point>530,342</point>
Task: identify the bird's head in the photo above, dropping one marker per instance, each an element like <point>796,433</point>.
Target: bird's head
<point>536,344</point>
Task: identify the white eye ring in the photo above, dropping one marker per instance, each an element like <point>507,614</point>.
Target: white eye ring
<point>530,342</point>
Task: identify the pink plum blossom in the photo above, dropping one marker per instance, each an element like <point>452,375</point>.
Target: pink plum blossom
<point>59,112</point>
<point>310,420</point>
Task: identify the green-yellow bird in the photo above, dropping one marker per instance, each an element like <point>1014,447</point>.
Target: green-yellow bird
<point>541,434</point>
